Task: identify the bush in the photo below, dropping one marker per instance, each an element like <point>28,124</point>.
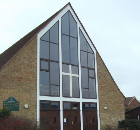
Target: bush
<point>4,113</point>
<point>15,123</point>
<point>131,124</point>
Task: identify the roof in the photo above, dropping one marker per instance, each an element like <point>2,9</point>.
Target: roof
<point>10,52</point>
<point>128,100</point>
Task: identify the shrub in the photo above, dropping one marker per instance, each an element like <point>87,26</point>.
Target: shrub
<point>5,112</point>
<point>131,124</point>
<point>15,123</point>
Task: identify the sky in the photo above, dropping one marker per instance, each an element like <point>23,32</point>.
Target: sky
<point>113,26</point>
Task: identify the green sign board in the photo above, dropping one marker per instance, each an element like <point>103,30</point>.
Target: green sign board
<point>12,104</point>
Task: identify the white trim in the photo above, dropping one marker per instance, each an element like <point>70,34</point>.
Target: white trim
<point>62,99</point>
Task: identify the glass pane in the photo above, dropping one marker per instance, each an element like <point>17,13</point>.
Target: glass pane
<point>75,106</point>
<point>66,85</point>
<point>65,68</point>
<point>45,105</point>
<point>90,60</point>
<point>44,49</point>
<point>67,105</point>
<point>83,58</point>
<point>73,51</point>
<point>85,106</point>
<point>53,51</point>
<point>45,36</point>
<point>44,64</point>
<point>83,42</point>
<point>91,73</point>
<point>54,120</point>
<point>75,87</point>
<point>73,26</point>
<point>65,24</point>
<point>93,106</point>
<point>54,73</point>
<point>85,93</point>
<point>54,33</point>
<point>54,105</point>
<point>89,48</point>
<point>84,77</point>
<point>92,88</point>
<point>65,49</point>
<point>44,83</point>
<point>74,69</point>
<point>54,90</point>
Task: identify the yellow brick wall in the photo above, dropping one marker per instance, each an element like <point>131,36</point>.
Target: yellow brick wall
<point>18,79</point>
<point>109,96</point>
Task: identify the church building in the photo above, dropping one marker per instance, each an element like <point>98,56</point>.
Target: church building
<point>56,76</point>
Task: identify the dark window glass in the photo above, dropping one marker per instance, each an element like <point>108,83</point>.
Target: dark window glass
<point>54,33</point>
<point>86,119</point>
<point>65,24</point>
<point>75,121</point>
<point>44,120</point>
<point>73,26</point>
<point>75,87</point>
<point>83,42</point>
<point>44,83</point>
<point>54,90</point>
<point>66,85</point>
<point>54,105</point>
<point>91,73</point>
<point>44,49</point>
<point>84,77</point>
<point>83,58</point>
<point>44,64</point>
<point>65,49</point>
<point>85,106</point>
<point>90,60</point>
<point>54,73</point>
<point>54,120</point>
<point>44,105</point>
<point>85,93</point>
<point>92,88</point>
<point>67,120</point>
<point>74,69</point>
<point>93,119</point>
<point>89,48</point>
<point>53,51</point>
<point>73,51</point>
<point>75,106</point>
<point>93,106</point>
<point>66,105</point>
<point>45,36</point>
<point>65,68</point>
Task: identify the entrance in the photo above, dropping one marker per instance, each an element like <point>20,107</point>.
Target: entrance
<point>71,116</point>
<point>50,115</point>
<point>90,116</point>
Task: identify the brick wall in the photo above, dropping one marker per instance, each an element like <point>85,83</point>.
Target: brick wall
<point>109,96</point>
<point>18,79</point>
<point>133,104</point>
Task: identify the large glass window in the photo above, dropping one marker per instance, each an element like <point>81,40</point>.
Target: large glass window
<point>49,63</point>
<point>87,69</point>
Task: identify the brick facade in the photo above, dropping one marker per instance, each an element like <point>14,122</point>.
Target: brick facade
<point>18,79</point>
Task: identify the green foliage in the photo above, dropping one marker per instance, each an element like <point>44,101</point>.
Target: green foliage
<point>4,113</point>
<point>130,124</point>
<point>127,116</point>
<point>127,109</point>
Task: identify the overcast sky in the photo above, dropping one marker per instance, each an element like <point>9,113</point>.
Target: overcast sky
<point>113,26</point>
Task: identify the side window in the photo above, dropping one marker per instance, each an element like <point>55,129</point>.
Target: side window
<point>87,69</point>
<point>49,62</point>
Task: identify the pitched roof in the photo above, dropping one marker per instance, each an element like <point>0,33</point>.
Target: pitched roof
<point>11,51</point>
<point>128,100</point>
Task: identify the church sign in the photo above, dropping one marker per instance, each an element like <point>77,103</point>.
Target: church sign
<point>11,104</point>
